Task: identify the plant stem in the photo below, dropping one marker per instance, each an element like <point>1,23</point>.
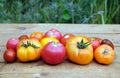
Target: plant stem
<point>103,21</point>
<point>105,12</point>
<point>72,11</point>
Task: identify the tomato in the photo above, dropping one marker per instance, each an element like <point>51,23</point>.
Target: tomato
<point>12,43</point>
<point>29,50</point>
<point>95,42</point>
<point>65,38</point>
<point>36,35</point>
<point>79,50</point>
<point>23,37</point>
<point>108,42</point>
<point>10,55</point>
<point>46,40</point>
<point>53,53</point>
<point>53,33</point>
<point>104,54</point>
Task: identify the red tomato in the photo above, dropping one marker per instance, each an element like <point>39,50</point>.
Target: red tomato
<point>95,42</point>
<point>12,43</point>
<point>53,33</point>
<point>108,42</point>
<point>53,53</point>
<point>22,37</point>
<point>9,55</point>
<point>65,38</point>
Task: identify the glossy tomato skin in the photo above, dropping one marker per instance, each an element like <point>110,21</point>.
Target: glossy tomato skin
<point>53,53</point>
<point>104,54</point>
<point>22,37</point>
<point>53,33</point>
<point>95,42</point>
<point>36,35</point>
<point>108,42</point>
<point>29,53</point>
<point>10,55</point>
<point>76,55</point>
<point>65,38</point>
<point>12,43</point>
<point>46,40</point>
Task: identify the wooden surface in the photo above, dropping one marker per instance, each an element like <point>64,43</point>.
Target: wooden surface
<point>66,69</point>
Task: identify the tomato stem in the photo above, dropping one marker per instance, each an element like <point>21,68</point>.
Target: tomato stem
<point>82,44</point>
<point>55,44</point>
<point>105,51</point>
<point>29,44</point>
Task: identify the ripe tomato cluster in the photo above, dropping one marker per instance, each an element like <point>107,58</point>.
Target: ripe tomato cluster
<point>53,48</point>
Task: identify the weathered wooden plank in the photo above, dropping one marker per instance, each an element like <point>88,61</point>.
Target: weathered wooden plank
<point>2,49</point>
<point>61,75</point>
<point>78,74</point>
<point>65,69</point>
<point>65,28</point>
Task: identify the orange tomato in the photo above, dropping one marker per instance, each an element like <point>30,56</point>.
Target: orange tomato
<point>46,40</point>
<point>104,54</point>
<point>36,35</point>
<point>79,50</point>
<point>29,50</point>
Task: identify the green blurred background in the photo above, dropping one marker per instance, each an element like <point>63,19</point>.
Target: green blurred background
<point>60,11</point>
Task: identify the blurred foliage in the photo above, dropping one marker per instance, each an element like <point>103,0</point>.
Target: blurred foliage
<point>60,11</point>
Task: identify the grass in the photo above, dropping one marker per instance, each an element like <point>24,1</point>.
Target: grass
<point>60,11</point>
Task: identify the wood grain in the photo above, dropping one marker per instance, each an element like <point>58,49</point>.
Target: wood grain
<point>64,28</point>
<point>66,69</point>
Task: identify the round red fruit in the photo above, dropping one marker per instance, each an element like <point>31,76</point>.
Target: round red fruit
<point>53,53</point>
<point>10,55</point>
<point>95,42</point>
<point>108,42</point>
<point>12,43</point>
<point>53,33</point>
<point>65,38</point>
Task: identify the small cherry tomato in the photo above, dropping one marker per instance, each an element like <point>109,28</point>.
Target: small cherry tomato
<point>65,38</point>
<point>36,35</point>
<point>10,55</point>
<point>22,37</point>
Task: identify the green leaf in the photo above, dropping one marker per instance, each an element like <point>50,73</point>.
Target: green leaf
<point>66,15</point>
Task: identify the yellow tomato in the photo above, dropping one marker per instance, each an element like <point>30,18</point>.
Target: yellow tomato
<point>46,40</point>
<point>29,50</point>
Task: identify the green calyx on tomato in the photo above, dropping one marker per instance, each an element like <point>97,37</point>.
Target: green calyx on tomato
<point>82,44</point>
<point>105,51</point>
<point>29,44</point>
